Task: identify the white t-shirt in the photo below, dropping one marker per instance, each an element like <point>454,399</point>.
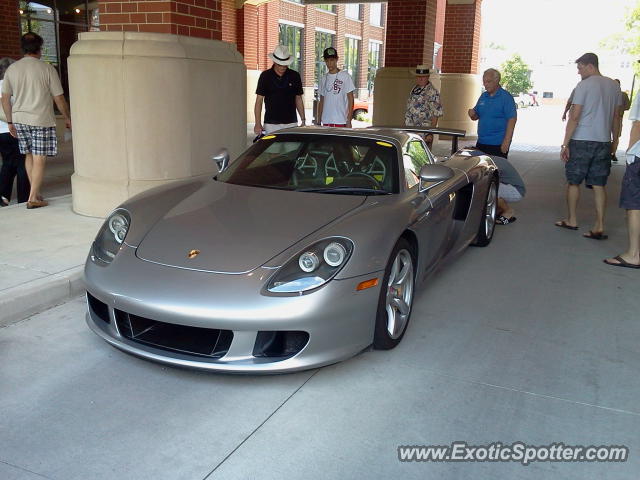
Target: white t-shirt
<point>598,96</point>
<point>4,128</point>
<point>334,88</point>
<point>634,116</point>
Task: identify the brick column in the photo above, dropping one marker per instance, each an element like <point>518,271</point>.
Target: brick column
<point>247,20</point>
<point>411,26</point>
<point>10,29</point>
<point>461,37</point>
<point>191,18</point>
<point>460,84</point>
<point>309,46</point>
<point>341,29</point>
<point>267,35</point>
<point>229,24</point>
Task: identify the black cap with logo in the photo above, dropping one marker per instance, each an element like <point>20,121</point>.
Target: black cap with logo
<point>330,53</point>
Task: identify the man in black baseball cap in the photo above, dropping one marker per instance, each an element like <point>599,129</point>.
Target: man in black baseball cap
<point>336,93</point>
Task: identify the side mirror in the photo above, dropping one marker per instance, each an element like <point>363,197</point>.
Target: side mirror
<point>434,174</point>
<point>222,159</point>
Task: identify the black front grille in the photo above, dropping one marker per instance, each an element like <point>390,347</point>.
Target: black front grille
<point>279,344</point>
<point>205,342</point>
<point>99,309</point>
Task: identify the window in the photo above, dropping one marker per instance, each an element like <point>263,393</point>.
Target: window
<point>327,7</point>
<point>351,51</point>
<point>415,157</point>
<point>374,64</point>
<point>375,14</point>
<point>323,40</point>
<point>292,36</point>
<point>58,22</point>
<point>352,10</point>
<point>547,94</point>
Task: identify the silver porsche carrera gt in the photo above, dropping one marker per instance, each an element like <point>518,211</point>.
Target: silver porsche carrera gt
<point>305,250</point>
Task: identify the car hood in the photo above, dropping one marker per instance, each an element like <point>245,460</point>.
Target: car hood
<point>236,229</point>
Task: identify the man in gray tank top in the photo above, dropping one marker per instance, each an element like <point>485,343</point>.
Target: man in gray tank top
<point>586,149</point>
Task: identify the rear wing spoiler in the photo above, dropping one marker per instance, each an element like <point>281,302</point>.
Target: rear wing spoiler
<point>454,133</point>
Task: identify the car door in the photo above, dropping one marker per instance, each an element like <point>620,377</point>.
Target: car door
<point>433,210</point>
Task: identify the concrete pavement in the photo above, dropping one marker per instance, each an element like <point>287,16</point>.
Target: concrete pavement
<point>531,339</point>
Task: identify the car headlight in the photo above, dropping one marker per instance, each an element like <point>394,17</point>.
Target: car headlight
<point>111,236</point>
<point>313,267</point>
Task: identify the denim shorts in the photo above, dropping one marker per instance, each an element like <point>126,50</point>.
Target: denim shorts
<point>630,191</point>
<point>37,140</point>
<point>589,162</point>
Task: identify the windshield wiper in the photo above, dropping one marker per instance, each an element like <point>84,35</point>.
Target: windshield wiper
<point>272,187</point>
<point>345,189</point>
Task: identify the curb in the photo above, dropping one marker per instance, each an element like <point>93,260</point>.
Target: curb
<point>22,301</point>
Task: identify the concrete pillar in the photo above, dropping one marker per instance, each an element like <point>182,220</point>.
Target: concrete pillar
<point>148,109</point>
<point>395,83</point>
<point>10,29</point>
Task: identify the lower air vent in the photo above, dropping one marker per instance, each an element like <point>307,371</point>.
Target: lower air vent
<point>205,342</point>
<point>98,308</point>
<point>283,344</point>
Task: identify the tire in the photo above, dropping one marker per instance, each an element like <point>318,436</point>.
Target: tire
<point>396,297</point>
<point>488,219</point>
<point>359,111</point>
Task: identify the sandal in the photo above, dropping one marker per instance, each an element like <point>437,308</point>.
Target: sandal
<point>595,235</point>
<point>620,263</point>
<point>564,224</point>
<point>502,220</point>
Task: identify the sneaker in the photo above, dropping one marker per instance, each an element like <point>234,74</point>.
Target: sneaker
<point>4,202</point>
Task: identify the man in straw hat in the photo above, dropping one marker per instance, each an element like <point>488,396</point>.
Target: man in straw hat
<point>423,106</point>
<point>280,88</point>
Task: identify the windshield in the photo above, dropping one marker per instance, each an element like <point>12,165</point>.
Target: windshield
<point>317,163</point>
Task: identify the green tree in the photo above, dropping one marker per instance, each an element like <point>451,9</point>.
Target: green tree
<point>515,75</point>
<point>627,41</point>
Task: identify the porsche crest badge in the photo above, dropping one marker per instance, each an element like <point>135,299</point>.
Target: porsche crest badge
<point>193,254</point>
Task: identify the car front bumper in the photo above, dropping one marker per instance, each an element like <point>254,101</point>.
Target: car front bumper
<point>132,295</point>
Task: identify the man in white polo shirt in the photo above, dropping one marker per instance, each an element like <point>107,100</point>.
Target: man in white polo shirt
<point>34,85</point>
<point>336,93</point>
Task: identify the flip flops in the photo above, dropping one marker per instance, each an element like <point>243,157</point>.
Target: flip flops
<point>564,224</point>
<point>620,263</point>
<point>595,235</point>
<point>502,220</point>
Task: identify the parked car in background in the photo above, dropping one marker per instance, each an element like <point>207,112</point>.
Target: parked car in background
<point>525,100</point>
<point>360,107</point>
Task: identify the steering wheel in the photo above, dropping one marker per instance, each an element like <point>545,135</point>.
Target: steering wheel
<point>373,183</point>
<point>307,165</point>
<point>377,167</point>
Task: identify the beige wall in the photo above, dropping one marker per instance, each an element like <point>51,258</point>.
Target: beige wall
<point>148,109</point>
<point>459,92</point>
<point>252,83</point>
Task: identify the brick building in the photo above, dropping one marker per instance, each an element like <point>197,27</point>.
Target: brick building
<point>356,30</point>
<point>153,81</point>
